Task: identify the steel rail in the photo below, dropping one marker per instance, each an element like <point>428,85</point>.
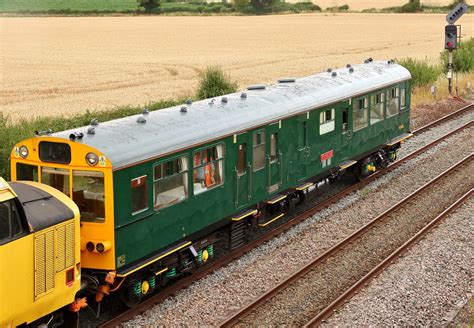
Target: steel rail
<point>235,254</point>
<point>330,309</point>
<point>236,317</point>
<point>445,118</point>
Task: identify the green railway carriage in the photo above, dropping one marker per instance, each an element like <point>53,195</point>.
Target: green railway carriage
<point>183,182</point>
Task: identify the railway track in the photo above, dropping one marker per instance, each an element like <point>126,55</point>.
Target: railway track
<point>312,293</point>
<point>173,289</point>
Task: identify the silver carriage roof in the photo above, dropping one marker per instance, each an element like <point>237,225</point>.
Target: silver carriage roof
<point>125,141</point>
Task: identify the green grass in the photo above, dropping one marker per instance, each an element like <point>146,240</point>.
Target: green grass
<point>10,134</point>
<point>86,7</point>
<point>67,5</point>
<point>214,82</point>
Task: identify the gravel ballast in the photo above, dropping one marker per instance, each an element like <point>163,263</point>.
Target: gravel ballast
<point>426,287</point>
<point>210,300</point>
<point>302,300</point>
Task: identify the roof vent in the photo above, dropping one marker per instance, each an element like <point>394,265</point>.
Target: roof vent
<point>145,111</point>
<point>348,66</point>
<point>329,70</point>
<point>76,136</point>
<point>256,87</point>
<point>224,100</point>
<point>94,122</point>
<point>391,61</point>
<point>183,109</point>
<point>141,120</point>
<point>243,95</point>
<point>212,102</point>
<point>368,60</point>
<point>287,80</point>
<point>91,130</point>
<point>42,133</point>
<point>351,70</point>
<point>189,101</point>
<point>333,74</point>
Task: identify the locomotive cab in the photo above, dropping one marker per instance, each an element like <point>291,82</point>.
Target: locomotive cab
<point>39,257</point>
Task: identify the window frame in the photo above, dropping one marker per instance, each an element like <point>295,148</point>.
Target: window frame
<point>20,217</point>
<point>147,202</point>
<point>179,173</point>
<point>379,94</point>
<point>331,122</point>
<point>261,145</point>
<point>215,162</point>
<point>365,101</point>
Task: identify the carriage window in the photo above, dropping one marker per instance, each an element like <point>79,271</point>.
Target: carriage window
<point>170,182</point>
<point>327,121</point>
<point>258,150</point>
<point>139,194</point>
<point>56,178</point>
<point>208,168</point>
<point>26,172</point>
<point>376,107</point>
<point>241,159</point>
<point>392,101</point>
<point>89,195</point>
<point>403,100</point>
<point>273,147</point>
<point>359,113</point>
<point>10,224</point>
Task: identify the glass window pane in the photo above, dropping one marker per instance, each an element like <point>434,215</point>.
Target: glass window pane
<point>242,159</point>
<point>273,147</point>
<point>259,150</point>
<point>89,195</point>
<point>139,194</point>
<point>4,220</point>
<point>56,178</point>
<point>402,98</point>
<point>26,172</point>
<point>210,173</point>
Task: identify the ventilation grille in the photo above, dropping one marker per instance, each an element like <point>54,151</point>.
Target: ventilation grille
<point>44,263</point>
<point>65,247</point>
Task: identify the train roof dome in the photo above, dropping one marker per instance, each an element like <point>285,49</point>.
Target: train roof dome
<point>136,138</point>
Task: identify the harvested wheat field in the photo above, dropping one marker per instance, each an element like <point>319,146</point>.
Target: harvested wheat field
<point>61,66</point>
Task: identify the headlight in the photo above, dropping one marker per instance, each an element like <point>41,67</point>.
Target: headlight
<point>90,246</point>
<point>23,152</point>
<point>92,159</point>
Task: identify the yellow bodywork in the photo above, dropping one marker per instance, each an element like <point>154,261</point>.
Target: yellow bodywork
<point>20,297</point>
<point>90,231</point>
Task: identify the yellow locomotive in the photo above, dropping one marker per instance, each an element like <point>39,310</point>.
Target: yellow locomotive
<point>40,271</point>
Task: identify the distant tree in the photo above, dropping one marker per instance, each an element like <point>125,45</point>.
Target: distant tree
<point>149,5</point>
<point>412,6</point>
<point>261,5</point>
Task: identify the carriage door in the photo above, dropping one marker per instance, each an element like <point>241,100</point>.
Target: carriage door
<point>274,158</point>
<point>242,171</point>
<point>303,148</point>
<point>346,128</point>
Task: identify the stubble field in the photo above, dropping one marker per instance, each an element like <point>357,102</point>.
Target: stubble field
<point>61,66</point>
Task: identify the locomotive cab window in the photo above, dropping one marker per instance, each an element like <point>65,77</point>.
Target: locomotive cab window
<point>208,168</point>
<point>56,178</point>
<point>376,107</point>
<point>10,224</point>
<point>359,113</point>
<point>258,150</point>
<point>392,101</point>
<point>26,172</point>
<point>89,195</point>
<point>139,194</point>
<point>327,121</point>
<point>170,182</point>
